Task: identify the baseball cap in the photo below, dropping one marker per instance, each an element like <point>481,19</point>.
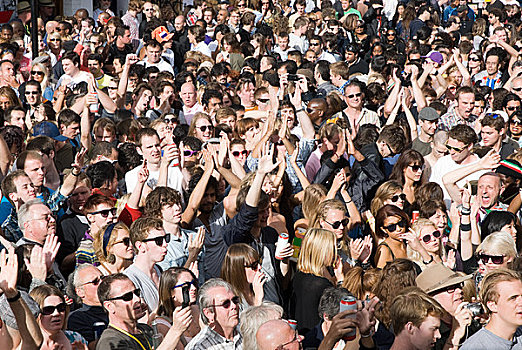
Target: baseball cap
<point>428,113</point>
<point>161,34</point>
<point>437,277</point>
<point>48,129</point>
<point>435,56</point>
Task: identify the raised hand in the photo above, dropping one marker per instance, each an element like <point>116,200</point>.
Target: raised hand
<point>412,240</point>
<point>8,272</point>
<point>181,319</point>
<point>293,158</point>
<point>209,160</point>
<point>450,259</point>
<point>367,249</point>
<point>266,163</point>
<point>79,160</point>
<point>365,316</point>
<point>257,286</point>
<point>36,264</point>
<point>196,244</point>
<point>194,268</point>
<point>356,248</point>
<point>491,160</point>
<point>296,97</point>
<point>50,249</point>
<point>143,174</point>
<point>339,180</point>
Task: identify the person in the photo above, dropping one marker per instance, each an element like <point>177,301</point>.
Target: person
<point>153,58</point>
<point>113,248</point>
<point>428,120</point>
<point>462,113</point>
<point>219,314</point>
<point>255,316</point>
<point>285,337</point>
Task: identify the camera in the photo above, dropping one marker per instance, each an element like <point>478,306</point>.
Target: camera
<point>475,308</point>
<point>293,77</point>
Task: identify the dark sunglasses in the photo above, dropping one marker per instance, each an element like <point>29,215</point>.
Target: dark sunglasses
<point>427,238</point>
<point>359,94</point>
<point>159,240</point>
<point>35,72</point>
<point>254,265</point>
<point>105,212</point>
<point>263,100</point>
<point>127,296</point>
<point>516,122</point>
<point>512,108</point>
<point>416,167</point>
<point>205,127</point>
<point>189,283</point>
<point>314,44</point>
<point>95,281</point>
<point>189,153</point>
<point>125,241</point>
<point>456,149</point>
<point>226,304</point>
<point>171,120</point>
<point>391,34</point>
<point>49,310</point>
<point>517,89</point>
<point>393,227</point>
<point>396,197</point>
<point>336,224</point>
<point>35,93</point>
<point>474,59</point>
<point>451,288</point>
<point>238,153</point>
<point>495,259</point>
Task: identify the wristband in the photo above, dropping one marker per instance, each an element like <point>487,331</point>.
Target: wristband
<point>299,110</point>
<point>76,175</point>
<point>465,227</point>
<point>465,211</point>
<point>15,298</point>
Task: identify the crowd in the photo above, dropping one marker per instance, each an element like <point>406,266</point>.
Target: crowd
<point>266,175</point>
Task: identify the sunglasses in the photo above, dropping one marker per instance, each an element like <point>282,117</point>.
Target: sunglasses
<point>427,238</point>
<point>189,283</point>
<point>452,288</point>
<point>495,259</point>
<point>31,93</point>
<point>105,212</point>
<point>125,241</point>
<point>49,310</point>
<point>127,296</point>
<point>359,94</point>
<point>517,89</point>
<point>205,127</point>
<point>35,72</point>
<point>254,265</point>
<point>226,304</point>
<point>171,120</point>
<point>398,197</point>
<point>314,44</point>
<point>263,100</point>
<point>391,34</point>
<point>512,108</point>
<point>336,224</point>
<point>474,59</point>
<point>393,227</point>
<point>238,153</point>
<point>516,122</point>
<point>159,240</point>
<point>456,149</point>
<point>55,39</point>
<point>95,281</point>
<point>416,167</point>
<point>189,153</point>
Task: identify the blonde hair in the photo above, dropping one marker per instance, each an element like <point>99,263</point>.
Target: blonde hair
<point>417,228</point>
<point>320,214</point>
<point>45,81</point>
<point>198,116</point>
<point>500,243</point>
<point>313,195</point>
<point>98,242</point>
<point>383,193</point>
<point>317,251</point>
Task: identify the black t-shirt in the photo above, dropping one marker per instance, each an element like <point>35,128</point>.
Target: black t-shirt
<point>83,320</point>
<point>114,52</point>
<point>115,340</point>
<point>70,232</point>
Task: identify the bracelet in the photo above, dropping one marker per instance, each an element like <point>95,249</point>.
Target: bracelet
<point>349,201</point>
<point>465,227</point>
<point>428,262</point>
<point>299,110</point>
<point>465,211</point>
<point>15,298</point>
<point>75,175</point>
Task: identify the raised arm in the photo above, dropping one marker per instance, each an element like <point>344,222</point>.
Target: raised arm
<point>264,167</point>
<point>306,124</point>
<point>69,183</point>
<point>416,90</point>
<point>392,99</point>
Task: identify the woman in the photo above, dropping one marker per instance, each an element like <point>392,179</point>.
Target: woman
<point>496,220</point>
<point>170,313</point>
<point>390,224</point>
<point>430,237</point>
<point>361,282</point>
<point>478,30</point>
<point>104,178</point>
<point>52,318</point>
<point>496,251</point>
<point>242,269</point>
<point>8,98</point>
<point>312,197</point>
<point>113,248</point>
<point>515,127</point>
<point>389,192</point>
<point>259,43</point>
<point>475,63</point>
<point>201,127</point>
<point>231,52</point>
<point>40,73</point>
<point>54,42</point>
<point>317,259</point>
<point>408,172</point>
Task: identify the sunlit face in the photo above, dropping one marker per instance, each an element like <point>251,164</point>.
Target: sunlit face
<point>508,308</point>
<point>144,101</point>
<point>150,148</point>
<point>466,103</point>
<point>440,220</point>
<point>177,293</point>
<point>17,119</point>
<point>450,298</point>
<point>492,63</point>
<point>165,133</point>
<point>204,130</point>
<point>332,216</point>
<point>171,213</point>
<point>425,336</point>
<point>353,97</point>
<point>458,150</point>
<point>413,171</point>
<point>433,244</point>
<point>511,229</point>
<point>239,152</point>
<point>391,220</point>
<point>397,199</point>
<point>122,247</point>
<point>34,168</point>
<point>491,136</point>
<point>79,197</point>
<point>52,323</point>
<point>512,107</point>
<point>515,126</point>
<point>486,266</point>
<point>488,191</point>
<point>251,134</point>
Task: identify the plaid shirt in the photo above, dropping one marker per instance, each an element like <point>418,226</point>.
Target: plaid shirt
<point>208,339</point>
<point>451,119</point>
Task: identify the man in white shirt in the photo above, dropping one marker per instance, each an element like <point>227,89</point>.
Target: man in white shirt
<point>297,38</point>
<point>153,58</point>
<point>283,46</point>
<point>71,66</point>
<point>191,105</point>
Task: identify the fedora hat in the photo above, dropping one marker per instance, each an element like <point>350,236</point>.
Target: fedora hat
<point>46,3</point>
<point>23,6</point>
<point>437,276</point>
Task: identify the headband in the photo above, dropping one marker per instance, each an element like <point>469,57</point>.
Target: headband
<point>106,236</point>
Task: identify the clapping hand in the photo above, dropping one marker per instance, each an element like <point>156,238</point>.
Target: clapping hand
<point>8,272</point>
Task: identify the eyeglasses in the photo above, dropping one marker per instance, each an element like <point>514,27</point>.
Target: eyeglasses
<point>105,212</point>
<point>204,128</point>
<point>263,100</point>
<point>398,197</point>
<point>189,283</point>
<point>127,296</point>
<point>451,288</point>
<point>125,241</point>
<point>47,217</point>
<point>226,304</point>
<point>456,149</point>
<point>427,238</point>
<point>95,281</point>
<point>517,89</point>
<point>391,34</point>
<point>171,120</point>
<point>254,265</point>
<point>359,94</point>
<point>512,108</point>
<point>30,93</point>
<point>49,310</point>
<point>495,259</point>
<point>474,59</point>
<point>416,167</point>
<point>189,153</point>
<point>516,122</point>
<point>336,224</point>
<point>159,240</point>
<point>36,72</point>
<point>393,227</point>
<point>296,338</point>
<point>239,153</point>
<point>55,39</point>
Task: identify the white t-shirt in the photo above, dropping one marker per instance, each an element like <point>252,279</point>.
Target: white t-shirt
<point>162,65</point>
<point>174,179</point>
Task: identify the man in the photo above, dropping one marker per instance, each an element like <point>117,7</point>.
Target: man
<point>33,97</point>
<point>495,16</point>
<point>428,120</point>
<point>36,222</point>
<point>71,66</point>
<point>501,295</point>
<point>445,286</point>
<point>15,116</point>
<point>121,46</point>
<point>355,63</point>
<point>219,311</point>
<point>283,46</point>
<point>423,16</point>
<point>45,146</point>
<point>7,75</point>
<point>130,18</point>
<point>329,135</point>
<point>453,26</point>
<point>120,298</point>
<point>356,113</point>
<point>148,11</point>
<point>191,105</point>
<point>254,317</point>
<point>516,86</point>
<point>154,59</point>
<point>212,100</point>
<point>438,150</point>
<point>316,111</point>
<point>85,281</point>
<point>462,113</point>
<point>415,320</point>
<point>322,77</point>
<point>245,90</point>
<point>297,38</point>
<point>278,334</point>
<point>94,63</point>
<point>339,75</point>
<point>69,123</point>
<point>23,8</point>
<point>493,134</point>
<point>46,9</point>
<point>491,76</point>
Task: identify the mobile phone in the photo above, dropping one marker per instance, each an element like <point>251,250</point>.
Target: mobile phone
<point>186,296</point>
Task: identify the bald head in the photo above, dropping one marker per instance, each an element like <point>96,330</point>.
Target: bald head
<point>516,86</point>
<point>275,333</point>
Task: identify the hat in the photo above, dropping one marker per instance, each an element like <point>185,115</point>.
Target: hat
<point>46,3</point>
<point>23,6</point>
<point>48,129</point>
<point>438,276</point>
<point>161,34</point>
<point>41,59</point>
<point>510,167</point>
<point>435,56</point>
<point>428,113</point>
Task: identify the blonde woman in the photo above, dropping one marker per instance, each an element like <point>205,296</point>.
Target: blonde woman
<point>113,248</point>
<point>312,197</point>
<point>40,73</point>
<point>317,258</point>
<point>429,237</point>
<point>389,192</point>
<point>54,43</point>
<point>201,127</point>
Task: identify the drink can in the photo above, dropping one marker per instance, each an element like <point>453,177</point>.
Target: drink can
<point>348,303</point>
<point>293,324</point>
<point>414,216</point>
<point>93,107</point>
<point>98,327</point>
<point>281,241</point>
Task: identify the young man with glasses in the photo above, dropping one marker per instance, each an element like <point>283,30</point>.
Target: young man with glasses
<point>32,97</point>
<point>219,310</point>
<point>150,241</point>
<point>356,113</point>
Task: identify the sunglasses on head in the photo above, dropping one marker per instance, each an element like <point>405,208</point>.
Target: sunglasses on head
<point>35,72</point>
<point>105,212</point>
<point>125,241</point>
<point>127,296</point>
<point>204,128</point>
<point>239,153</point>
<point>427,238</point>
<point>226,304</point>
<point>416,167</point>
<point>95,281</point>
<point>398,197</point>
<point>495,259</point>
<point>189,153</point>
<point>254,265</point>
<point>336,224</point>
<point>359,94</point>
<point>159,240</point>
<point>49,310</point>
<point>393,227</point>
<point>189,283</point>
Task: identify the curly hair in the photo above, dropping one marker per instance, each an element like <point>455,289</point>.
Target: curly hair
<point>158,198</point>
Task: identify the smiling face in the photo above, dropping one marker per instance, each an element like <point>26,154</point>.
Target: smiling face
<point>204,130</point>
<point>459,151</point>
